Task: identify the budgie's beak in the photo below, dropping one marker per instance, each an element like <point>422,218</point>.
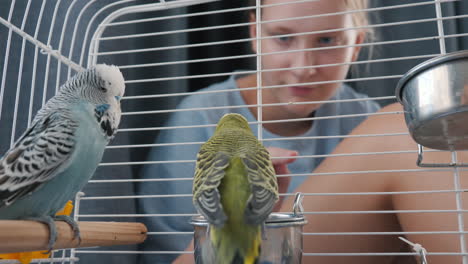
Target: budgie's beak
<point>118,97</point>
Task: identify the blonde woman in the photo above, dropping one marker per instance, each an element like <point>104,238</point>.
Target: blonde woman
<point>291,60</point>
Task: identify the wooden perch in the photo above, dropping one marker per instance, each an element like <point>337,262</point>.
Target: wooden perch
<point>21,236</point>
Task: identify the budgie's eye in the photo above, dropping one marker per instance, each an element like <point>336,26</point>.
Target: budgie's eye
<point>103,89</point>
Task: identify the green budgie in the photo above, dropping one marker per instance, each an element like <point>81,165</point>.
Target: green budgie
<point>235,189</point>
<point>62,148</point>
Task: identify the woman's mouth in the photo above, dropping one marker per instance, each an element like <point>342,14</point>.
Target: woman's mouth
<point>300,90</point>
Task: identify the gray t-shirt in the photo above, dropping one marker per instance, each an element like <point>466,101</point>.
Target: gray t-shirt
<point>187,154</point>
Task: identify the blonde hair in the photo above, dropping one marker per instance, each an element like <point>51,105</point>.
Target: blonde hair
<point>360,18</point>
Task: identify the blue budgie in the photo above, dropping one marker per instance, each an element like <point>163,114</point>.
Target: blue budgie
<point>62,148</point>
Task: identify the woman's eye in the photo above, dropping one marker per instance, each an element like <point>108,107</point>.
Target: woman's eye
<point>284,39</point>
<point>327,40</point>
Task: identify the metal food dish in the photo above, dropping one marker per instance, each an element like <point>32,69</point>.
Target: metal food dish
<point>434,95</point>
<point>283,232</point>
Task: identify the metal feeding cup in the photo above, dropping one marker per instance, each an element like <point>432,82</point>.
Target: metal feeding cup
<point>283,236</point>
<point>434,95</point>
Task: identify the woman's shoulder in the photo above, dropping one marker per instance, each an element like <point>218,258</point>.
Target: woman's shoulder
<point>366,105</point>
<point>200,107</point>
<point>347,92</point>
<point>218,93</point>
<point>389,119</point>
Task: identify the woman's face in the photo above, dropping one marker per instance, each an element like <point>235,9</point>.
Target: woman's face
<point>292,77</point>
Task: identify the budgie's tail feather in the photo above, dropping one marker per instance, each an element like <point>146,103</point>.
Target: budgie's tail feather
<point>209,258</point>
<point>242,256</point>
<point>206,253</point>
<point>253,254</point>
<point>238,259</point>
<point>220,248</point>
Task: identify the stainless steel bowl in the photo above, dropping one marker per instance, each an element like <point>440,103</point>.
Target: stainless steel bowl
<point>283,233</point>
<point>434,95</point>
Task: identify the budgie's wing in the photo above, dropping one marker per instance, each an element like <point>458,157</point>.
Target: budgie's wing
<point>263,184</point>
<point>209,171</point>
<point>40,154</point>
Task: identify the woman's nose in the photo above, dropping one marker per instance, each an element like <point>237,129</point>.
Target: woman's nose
<point>303,64</point>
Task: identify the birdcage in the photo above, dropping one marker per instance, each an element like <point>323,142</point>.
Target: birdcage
<point>362,188</point>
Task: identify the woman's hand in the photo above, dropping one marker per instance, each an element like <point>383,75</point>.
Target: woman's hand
<point>280,165</point>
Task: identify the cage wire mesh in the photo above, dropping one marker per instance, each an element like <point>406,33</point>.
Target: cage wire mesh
<point>168,50</point>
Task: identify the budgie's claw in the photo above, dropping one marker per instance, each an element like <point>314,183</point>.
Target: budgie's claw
<point>52,230</point>
<point>73,224</point>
